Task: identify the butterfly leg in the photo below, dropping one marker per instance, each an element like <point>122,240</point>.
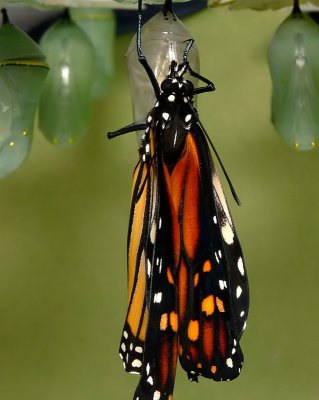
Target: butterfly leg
<point>127,129</point>
<point>210,86</point>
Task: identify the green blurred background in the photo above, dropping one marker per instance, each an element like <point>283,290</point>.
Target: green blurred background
<point>63,224</point>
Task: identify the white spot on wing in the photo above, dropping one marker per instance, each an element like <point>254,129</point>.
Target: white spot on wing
<point>150,380</point>
<point>158,297</point>
<point>138,349</point>
<point>157,395</point>
<point>217,259</point>
<point>148,368</point>
<point>149,267</point>
<point>160,223</point>
<point>149,118</point>
<point>221,197</point>
<point>220,253</point>
<point>240,265</point>
<point>221,285</point>
<point>229,363</point>
<point>188,117</point>
<point>131,346</point>
<point>239,291</point>
<point>171,98</point>
<point>215,220</point>
<point>228,233</point>
<point>242,313</point>
<point>136,363</point>
<point>125,334</point>
<point>153,233</point>
<point>123,347</point>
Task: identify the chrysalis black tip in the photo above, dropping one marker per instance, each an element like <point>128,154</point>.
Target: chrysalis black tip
<point>296,9</point>
<point>5,18</point>
<point>168,7</point>
<point>66,14</point>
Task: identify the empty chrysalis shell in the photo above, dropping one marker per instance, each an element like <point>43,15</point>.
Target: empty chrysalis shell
<point>294,67</point>
<point>163,40</point>
<point>65,101</point>
<point>22,72</point>
<point>99,26</point>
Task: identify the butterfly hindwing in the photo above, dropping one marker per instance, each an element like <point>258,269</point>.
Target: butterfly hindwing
<point>134,331</point>
<point>209,339</point>
<point>239,290</point>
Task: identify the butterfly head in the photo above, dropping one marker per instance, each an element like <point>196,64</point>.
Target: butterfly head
<point>175,84</point>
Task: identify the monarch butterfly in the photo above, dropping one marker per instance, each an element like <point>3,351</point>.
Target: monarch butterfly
<point>187,284</point>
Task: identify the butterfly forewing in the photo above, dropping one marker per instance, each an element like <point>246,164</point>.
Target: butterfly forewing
<point>152,319</point>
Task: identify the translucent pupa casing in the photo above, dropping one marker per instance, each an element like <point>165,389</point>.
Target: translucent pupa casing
<point>163,40</point>
<point>294,67</point>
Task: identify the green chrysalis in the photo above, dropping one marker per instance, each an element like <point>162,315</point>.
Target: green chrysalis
<point>65,101</point>
<point>22,72</point>
<point>294,67</point>
<point>99,25</point>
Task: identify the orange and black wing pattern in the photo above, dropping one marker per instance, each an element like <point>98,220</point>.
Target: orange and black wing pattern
<point>149,341</point>
<point>133,335</point>
<point>212,282</point>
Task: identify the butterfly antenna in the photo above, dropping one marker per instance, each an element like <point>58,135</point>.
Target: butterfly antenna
<point>190,43</point>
